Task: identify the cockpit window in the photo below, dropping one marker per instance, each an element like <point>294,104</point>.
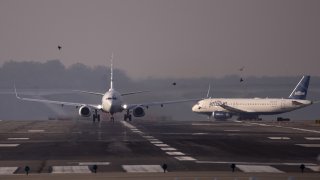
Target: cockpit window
<point>111,98</point>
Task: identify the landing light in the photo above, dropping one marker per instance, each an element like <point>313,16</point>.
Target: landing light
<point>125,106</point>
<point>99,106</point>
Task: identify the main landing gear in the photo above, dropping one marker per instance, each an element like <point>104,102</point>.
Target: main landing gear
<point>112,118</point>
<point>96,116</point>
<point>127,116</point>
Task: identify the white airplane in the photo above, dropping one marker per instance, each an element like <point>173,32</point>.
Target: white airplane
<point>111,102</point>
<point>251,108</point>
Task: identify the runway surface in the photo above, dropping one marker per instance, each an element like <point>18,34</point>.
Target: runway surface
<point>142,146</point>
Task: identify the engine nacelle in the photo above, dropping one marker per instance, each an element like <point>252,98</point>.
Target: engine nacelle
<point>220,115</point>
<point>138,112</point>
<point>85,111</point>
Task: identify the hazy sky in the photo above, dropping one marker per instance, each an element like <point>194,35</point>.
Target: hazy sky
<point>167,38</point>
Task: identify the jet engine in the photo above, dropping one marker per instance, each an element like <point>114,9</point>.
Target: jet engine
<point>85,111</point>
<point>220,115</point>
<point>138,112</point>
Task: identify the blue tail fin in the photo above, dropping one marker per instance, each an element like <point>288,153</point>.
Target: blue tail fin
<point>301,90</point>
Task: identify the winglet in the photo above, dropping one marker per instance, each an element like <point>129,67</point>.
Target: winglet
<point>15,91</point>
<point>208,93</point>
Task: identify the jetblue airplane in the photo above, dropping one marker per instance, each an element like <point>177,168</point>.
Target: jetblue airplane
<point>111,102</point>
<point>251,108</point>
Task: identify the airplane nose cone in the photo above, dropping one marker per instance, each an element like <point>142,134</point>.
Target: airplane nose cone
<point>195,108</point>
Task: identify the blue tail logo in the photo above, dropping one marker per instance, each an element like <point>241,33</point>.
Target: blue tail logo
<point>301,90</point>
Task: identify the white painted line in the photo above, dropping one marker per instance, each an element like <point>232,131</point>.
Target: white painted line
<point>35,130</point>
<point>175,153</point>
<point>314,168</point>
<point>203,124</point>
<point>185,158</point>
<point>258,168</point>
<point>199,134</point>
<point>93,163</point>
<point>142,168</point>
<point>162,145</point>
<point>168,149</point>
<point>18,138</point>
<point>312,138</point>
<point>309,145</point>
<point>9,145</point>
<point>279,138</point>
<point>255,163</point>
<point>156,142</point>
<point>148,137</point>
<point>153,139</point>
<point>231,130</point>
<point>7,170</point>
<point>128,125</point>
<point>70,169</point>
<point>278,126</point>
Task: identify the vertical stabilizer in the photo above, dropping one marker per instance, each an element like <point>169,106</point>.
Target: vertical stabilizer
<point>301,90</point>
<point>111,73</point>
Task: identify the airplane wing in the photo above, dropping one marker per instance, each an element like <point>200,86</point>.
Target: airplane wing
<point>232,109</point>
<point>95,106</point>
<point>135,92</point>
<point>159,103</point>
<point>89,92</point>
<point>101,94</point>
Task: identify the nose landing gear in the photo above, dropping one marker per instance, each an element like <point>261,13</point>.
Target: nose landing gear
<point>96,116</point>
<point>127,116</point>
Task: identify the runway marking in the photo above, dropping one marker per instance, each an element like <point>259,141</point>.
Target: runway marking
<point>18,138</point>
<point>278,126</point>
<point>308,145</point>
<point>127,125</point>
<point>142,168</point>
<point>199,134</point>
<point>161,145</point>
<point>256,163</point>
<point>153,139</point>
<point>175,153</point>
<point>312,138</point>
<point>156,142</point>
<point>70,169</point>
<point>35,130</point>
<point>185,158</point>
<point>314,168</point>
<point>148,137</point>
<point>203,124</point>
<point>168,149</point>
<point>258,168</point>
<point>9,145</point>
<point>7,170</point>
<point>231,130</point>
<point>93,163</point>
<point>279,138</point>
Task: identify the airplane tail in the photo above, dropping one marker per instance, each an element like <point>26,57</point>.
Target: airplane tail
<point>301,90</point>
<point>111,72</point>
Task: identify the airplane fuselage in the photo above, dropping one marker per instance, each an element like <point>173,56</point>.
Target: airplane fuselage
<point>250,106</point>
<point>112,102</point>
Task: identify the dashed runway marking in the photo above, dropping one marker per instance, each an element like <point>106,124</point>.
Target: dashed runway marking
<point>185,158</point>
<point>175,153</point>
<point>199,134</point>
<point>142,168</point>
<point>9,145</point>
<point>156,142</point>
<point>18,138</point>
<point>257,163</point>
<point>312,138</point>
<point>314,168</point>
<point>279,138</point>
<point>7,170</point>
<point>168,149</point>
<point>162,145</point>
<point>258,168</point>
<point>70,169</point>
<point>93,163</point>
<point>231,130</point>
<point>309,145</point>
<point>35,130</point>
